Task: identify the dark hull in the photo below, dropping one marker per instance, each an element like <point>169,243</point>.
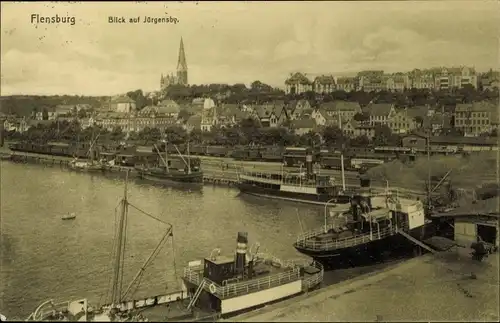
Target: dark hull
<point>166,178</point>
<point>373,251</point>
<point>319,199</point>
<point>91,169</point>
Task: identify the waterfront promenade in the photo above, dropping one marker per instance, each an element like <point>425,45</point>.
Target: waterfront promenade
<point>449,286</point>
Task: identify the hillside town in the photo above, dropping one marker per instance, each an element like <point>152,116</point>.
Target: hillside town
<point>454,101</point>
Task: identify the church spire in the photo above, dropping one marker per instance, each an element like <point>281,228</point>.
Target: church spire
<point>181,63</point>
<point>182,68</point>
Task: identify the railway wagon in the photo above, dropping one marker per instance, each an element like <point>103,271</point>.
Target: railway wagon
<point>296,156</point>
<point>197,149</point>
<point>217,151</point>
<point>60,149</point>
<point>271,154</point>
<point>246,153</point>
<point>333,160</point>
<point>364,163</point>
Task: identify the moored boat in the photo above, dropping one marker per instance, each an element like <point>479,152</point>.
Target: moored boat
<point>372,226</point>
<point>305,187</point>
<point>173,170</point>
<point>88,166</point>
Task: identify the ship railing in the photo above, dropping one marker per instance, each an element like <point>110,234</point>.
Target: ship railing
<point>48,309</point>
<point>313,244</point>
<point>314,280</point>
<point>193,274</point>
<point>267,178</point>
<point>243,287</point>
<point>315,232</point>
<point>253,285</point>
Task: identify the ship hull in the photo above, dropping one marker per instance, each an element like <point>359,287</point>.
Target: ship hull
<point>370,252</point>
<point>317,199</point>
<point>172,178</point>
<point>87,169</point>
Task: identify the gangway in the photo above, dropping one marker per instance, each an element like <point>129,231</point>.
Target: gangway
<point>416,241</point>
<point>197,294</point>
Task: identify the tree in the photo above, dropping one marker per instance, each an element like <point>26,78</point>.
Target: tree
<point>140,100</point>
<point>333,136</point>
<point>312,139</point>
<point>360,141</point>
<point>419,120</point>
<point>183,115</point>
<point>250,129</point>
<point>195,136</point>
<point>258,86</point>
<point>175,135</point>
<point>383,135</point>
<point>149,134</point>
<point>82,114</point>
<point>45,114</point>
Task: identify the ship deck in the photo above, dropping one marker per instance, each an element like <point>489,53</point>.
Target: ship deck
<point>175,312</point>
<point>335,239</point>
<point>269,273</point>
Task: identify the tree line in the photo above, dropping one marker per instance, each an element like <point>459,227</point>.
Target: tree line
<point>246,132</point>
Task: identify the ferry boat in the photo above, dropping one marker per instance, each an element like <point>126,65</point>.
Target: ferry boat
<point>179,169</point>
<point>369,226</point>
<point>218,285</point>
<point>305,187</point>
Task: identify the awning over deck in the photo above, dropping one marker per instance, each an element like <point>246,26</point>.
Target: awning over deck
<point>378,214</point>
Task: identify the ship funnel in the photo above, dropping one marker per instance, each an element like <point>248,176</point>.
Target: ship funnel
<point>241,251</point>
<point>309,162</point>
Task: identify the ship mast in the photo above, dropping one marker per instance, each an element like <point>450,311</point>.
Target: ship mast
<point>189,157</point>
<point>116,296</point>
<point>166,156</point>
<point>429,189</point>
<point>91,151</point>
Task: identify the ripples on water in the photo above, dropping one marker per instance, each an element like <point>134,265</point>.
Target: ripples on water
<point>43,257</point>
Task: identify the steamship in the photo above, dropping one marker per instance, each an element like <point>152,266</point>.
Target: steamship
<point>367,228</point>
<point>305,187</point>
<point>212,287</point>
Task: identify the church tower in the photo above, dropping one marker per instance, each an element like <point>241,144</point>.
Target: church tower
<point>182,69</point>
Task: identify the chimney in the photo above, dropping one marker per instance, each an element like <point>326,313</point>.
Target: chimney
<point>241,251</point>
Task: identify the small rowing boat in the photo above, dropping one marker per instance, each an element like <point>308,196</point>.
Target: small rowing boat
<point>69,216</point>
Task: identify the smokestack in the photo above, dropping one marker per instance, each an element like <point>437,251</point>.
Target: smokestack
<point>309,162</point>
<point>241,251</point>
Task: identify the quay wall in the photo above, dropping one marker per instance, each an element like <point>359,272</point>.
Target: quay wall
<point>217,171</point>
<point>448,286</point>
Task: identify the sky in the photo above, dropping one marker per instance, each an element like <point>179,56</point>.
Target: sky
<point>236,42</point>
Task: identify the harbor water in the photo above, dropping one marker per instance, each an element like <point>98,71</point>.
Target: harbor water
<point>43,257</point>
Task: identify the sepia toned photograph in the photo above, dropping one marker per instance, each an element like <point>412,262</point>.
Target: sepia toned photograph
<point>250,161</point>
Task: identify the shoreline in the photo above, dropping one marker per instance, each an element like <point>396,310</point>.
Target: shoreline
<point>213,173</point>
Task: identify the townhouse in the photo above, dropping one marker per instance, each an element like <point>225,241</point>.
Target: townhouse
<point>475,118</point>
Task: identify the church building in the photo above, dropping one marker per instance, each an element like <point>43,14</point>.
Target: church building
<point>182,71</point>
